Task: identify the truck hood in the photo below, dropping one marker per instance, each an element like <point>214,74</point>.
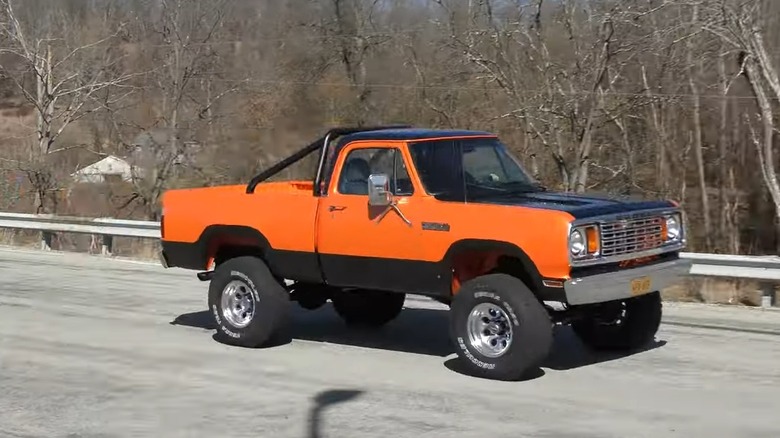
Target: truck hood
<point>581,206</point>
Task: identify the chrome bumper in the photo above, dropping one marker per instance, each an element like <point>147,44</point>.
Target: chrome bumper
<point>627,283</point>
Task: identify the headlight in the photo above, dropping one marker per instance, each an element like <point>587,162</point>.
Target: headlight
<point>584,241</point>
<point>673,228</point>
<point>577,244</point>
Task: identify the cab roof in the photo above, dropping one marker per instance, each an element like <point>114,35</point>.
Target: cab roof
<point>407,134</point>
<point>398,133</point>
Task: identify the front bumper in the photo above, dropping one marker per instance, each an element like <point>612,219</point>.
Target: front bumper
<point>626,283</point>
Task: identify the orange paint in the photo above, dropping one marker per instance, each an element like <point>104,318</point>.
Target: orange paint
<point>293,219</point>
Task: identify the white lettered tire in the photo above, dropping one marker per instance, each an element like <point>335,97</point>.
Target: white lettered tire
<point>500,329</point>
<point>248,304</point>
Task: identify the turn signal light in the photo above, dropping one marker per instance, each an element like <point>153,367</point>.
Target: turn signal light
<point>593,240</point>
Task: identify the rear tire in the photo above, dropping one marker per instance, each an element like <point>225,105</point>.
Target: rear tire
<point>629,325</point>
<point>368,308</point>
<point>249,305</point>
<point>500,329</point>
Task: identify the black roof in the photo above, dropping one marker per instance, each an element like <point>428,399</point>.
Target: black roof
<point>402,133</point>
<point>410,134</point>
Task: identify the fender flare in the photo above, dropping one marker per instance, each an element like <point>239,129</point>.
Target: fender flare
<point>510,249</point>
<point>295,265</point>
<point>239,235</point>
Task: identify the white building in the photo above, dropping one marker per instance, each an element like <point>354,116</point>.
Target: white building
<point>108,169</point>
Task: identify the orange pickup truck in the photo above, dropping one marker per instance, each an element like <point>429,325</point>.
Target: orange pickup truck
<point>447,214</point>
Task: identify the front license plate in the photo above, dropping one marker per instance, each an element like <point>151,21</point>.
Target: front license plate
<point>640,286</point>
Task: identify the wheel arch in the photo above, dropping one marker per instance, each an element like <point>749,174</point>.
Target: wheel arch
<point>471,257</point>
<point>222,242</point>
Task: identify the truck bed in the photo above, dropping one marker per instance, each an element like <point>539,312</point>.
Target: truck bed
<point>280,213</point>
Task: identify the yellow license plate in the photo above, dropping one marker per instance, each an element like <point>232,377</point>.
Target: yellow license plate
<point>640,286</point>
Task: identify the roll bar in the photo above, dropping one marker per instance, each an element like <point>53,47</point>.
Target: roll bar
<point>320,143</point>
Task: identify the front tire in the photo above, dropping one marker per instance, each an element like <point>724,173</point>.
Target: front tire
<point>499,327</point>
<point>625,325</point>
<point>249,305</point>
<point>368,308</point>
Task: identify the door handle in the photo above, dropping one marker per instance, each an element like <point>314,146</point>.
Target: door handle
<point>337,208</point>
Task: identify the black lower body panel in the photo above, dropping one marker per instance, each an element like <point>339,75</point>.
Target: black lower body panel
<point>292,265</point>
<point>397,275</point>
<point>183,255</point>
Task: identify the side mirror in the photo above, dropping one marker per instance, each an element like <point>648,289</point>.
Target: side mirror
<point>379,190</point>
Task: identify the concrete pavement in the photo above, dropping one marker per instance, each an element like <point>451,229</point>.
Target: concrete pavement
<point>101,348</point>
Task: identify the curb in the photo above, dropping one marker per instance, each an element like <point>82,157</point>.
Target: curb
<point>721,327</point>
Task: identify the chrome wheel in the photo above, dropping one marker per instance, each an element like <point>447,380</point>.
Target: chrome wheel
<point>489,330</point>
<point>238,306</point>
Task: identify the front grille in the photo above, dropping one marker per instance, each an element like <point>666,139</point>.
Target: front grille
<point>631,236</point>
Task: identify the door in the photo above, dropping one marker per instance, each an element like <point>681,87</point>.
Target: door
<point>369,247</point>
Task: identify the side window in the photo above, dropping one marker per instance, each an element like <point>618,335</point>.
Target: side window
<point>360,163</point>
<point>483,162</point>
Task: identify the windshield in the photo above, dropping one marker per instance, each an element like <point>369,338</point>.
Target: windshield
<point>467,169</point>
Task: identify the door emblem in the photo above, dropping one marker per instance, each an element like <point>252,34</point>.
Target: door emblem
<point>435,226</point>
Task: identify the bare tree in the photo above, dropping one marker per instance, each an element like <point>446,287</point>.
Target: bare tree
<point>71,79</point>
<point>743,27</point>
<point>353,36</point>
<point>559,101</point>
<point>70,83</point>
<point>187,84</point>
<point>627,96</point>
<point>694,72</point>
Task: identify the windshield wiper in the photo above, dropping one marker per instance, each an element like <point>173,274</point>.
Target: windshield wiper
<point>521,187</point>
<point>514,188</point>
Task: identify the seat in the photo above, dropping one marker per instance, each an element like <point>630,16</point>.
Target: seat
<point>354,177</point>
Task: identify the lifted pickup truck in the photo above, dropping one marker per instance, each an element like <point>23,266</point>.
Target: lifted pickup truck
<point>446,214</point>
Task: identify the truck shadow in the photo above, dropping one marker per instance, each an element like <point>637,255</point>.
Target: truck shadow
<point>416,330</point>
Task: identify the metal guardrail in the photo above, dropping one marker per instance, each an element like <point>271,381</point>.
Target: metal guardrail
<point>107,228</point>
<point>765,269</point>
<point>70,224</point>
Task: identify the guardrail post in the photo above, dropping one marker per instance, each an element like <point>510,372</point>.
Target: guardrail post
<point>767,294</point>
<point>107,246</point>
<point>46,238</point>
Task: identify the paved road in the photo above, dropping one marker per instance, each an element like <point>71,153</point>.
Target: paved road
<point>99,348</point>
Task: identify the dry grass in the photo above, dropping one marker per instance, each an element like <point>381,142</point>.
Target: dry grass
<point>6,238</point>
<point>683,292</point>
<point>23,239</point>
<point>135,248</point>
<point>143,249</point>
<point>716,291</point>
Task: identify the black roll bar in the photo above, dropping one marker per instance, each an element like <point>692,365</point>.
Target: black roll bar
<point>320,143</point>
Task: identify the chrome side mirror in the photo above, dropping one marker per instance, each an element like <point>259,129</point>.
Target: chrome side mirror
<point>379,190</point>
